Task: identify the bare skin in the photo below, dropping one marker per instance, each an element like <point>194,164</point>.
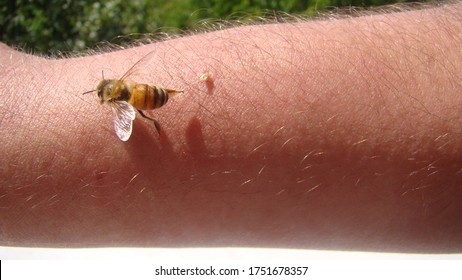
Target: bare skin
<point>340,134</point>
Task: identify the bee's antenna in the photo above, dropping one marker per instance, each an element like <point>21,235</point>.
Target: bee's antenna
<point>89,91</point>
<point>102,74</point>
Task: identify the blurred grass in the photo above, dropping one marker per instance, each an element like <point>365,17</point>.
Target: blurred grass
<point>49,26</point>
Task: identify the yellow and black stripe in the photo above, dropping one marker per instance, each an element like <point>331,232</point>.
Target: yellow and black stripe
<point>147,97</point>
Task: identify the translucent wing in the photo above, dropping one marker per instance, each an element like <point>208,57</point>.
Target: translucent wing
<point>123,116</point>
<point>144,64</point>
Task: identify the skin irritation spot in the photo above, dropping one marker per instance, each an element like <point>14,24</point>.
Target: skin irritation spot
<point>207,78</point>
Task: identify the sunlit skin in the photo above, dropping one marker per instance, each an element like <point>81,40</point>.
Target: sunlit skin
<point>335,134</point>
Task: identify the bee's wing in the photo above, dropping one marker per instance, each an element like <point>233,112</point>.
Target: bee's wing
<point>142,65</point>
<point>123,116</point>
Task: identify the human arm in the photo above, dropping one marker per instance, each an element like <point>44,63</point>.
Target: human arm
<point>339,134</point>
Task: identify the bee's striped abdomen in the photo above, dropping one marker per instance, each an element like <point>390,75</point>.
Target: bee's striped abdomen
<point>146,97</point>
<point>160,96</point>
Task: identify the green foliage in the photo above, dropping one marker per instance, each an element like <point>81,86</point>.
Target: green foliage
<point>72,25</point>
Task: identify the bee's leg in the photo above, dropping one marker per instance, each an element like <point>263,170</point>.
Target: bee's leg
<point>156,123</point>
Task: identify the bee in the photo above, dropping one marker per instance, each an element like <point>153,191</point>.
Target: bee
<point>124,97</point>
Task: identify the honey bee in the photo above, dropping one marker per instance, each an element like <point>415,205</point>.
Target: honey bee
<point>124,97</point>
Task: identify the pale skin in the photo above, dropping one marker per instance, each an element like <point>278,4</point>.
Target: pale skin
<point>332,134</point>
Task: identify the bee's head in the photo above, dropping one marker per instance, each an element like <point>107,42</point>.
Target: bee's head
<point>104,90</point>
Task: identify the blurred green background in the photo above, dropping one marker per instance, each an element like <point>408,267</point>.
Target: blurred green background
<point>50,26</point>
